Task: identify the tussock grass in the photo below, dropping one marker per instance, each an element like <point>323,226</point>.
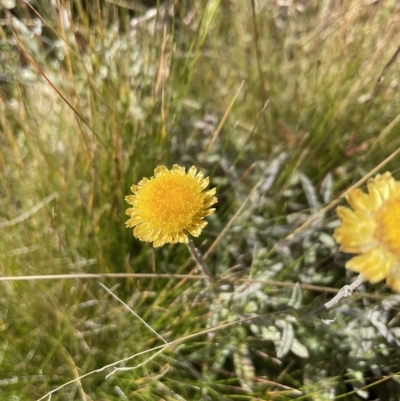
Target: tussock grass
<point>93,97</point>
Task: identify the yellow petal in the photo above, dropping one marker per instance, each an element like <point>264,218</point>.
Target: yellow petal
<point>371,230</point>
<point>169,205</point>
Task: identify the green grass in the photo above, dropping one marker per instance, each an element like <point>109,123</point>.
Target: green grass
<point>102,94</point>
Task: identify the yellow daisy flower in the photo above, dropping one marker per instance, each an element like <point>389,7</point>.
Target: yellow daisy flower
<point>169,205</point>
<point>372,230</point>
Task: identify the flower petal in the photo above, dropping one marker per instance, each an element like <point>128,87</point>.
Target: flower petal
<point>169,205</point>
<point>371,230</point>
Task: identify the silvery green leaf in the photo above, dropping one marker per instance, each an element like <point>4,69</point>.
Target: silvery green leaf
<point>299,349</point>
<point>251,307</point>
<point>358,382</point>
<point>328,321</point>
<point>327,188</point>
<point>379,319</point>
<point>261,297</point>
<point>270,174</point>
<point>297,296</point>
<point>271,333</point>
<point>310,192</point>
<point>287,338</point>
<point>255,329</point>
<point>310,256</point>
<point>244,367</point>
<point>245,291</point>
<point>217,313</point>
<point>219,361</point>
<point>327,240</point>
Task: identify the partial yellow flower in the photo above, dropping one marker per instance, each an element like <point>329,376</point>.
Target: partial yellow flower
<point>168,206</point>
<point>372,230</point>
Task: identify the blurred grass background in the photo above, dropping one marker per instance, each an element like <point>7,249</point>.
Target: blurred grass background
<point>284,104</point>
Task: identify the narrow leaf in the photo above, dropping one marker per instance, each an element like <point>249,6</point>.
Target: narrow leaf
<point>244,367</point>
<point>310,192</point>
<point>297,297</point>
<point>327,188</point>
<point>299,349</point>
<point>287,338</point>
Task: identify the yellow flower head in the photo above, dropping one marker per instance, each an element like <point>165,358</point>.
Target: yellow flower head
<point>372,230</point>
<point>169,205</point>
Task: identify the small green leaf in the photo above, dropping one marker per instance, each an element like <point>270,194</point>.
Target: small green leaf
<point>297,297</point>
<point>327,188</point>
<point>244,367</point>
<point>299,349</point>
<point>310,192</point>
<point>287,338</point>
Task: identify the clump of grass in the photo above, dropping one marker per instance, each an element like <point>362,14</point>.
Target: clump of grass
<point>284,106</point>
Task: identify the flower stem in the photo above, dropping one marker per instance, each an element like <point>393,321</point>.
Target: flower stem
<point>198,258</point>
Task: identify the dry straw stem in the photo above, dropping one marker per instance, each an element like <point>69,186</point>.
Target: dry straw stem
<point>224,117</point>
<point>77,114</point>
<point>198,258</point>
<point>344,292</point>
<point>162,276</point>
<point>263,92</point>
<point>133,313</point>
<point>28,213</point>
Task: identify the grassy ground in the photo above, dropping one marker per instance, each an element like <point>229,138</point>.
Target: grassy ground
<point>284,105</point>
